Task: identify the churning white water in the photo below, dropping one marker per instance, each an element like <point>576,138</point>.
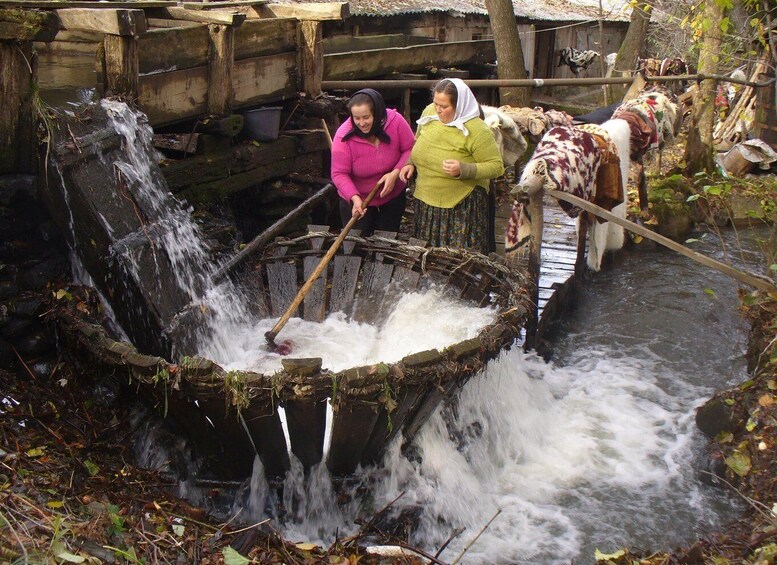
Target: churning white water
<point>419,321</point>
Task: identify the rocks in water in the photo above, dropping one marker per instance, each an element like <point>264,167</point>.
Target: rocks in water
<point>714,417</point>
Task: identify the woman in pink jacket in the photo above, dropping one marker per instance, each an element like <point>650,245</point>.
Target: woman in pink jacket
<point>370,149</point>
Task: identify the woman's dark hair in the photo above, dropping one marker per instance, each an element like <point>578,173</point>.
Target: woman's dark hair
<point>374,100</point>
<point>447,87</point>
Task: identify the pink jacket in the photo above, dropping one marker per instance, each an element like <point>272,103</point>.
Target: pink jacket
<point>357,164</point>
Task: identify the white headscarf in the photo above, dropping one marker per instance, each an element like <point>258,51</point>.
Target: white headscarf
<point>466,107</point>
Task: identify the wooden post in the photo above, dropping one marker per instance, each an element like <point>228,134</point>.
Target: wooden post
<point>312,58</point>
<point>18,75</point>
<point>221,58</point>
<point>535,212</point>
<point>582,232</point>
<point>121,65</point>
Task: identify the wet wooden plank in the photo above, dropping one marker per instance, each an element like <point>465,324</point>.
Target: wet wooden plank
<point>388,425</point>
<point>266,432</point>
<point>236,444</point>
<point>306,421</point>
<point>314,303</point>
<point>344,281</point>
<point>352,426</point>
<point>282,285</point>
<point>404,276</point>
<point>376,277</point>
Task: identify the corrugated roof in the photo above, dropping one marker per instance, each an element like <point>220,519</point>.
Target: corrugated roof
<point>538,10</point>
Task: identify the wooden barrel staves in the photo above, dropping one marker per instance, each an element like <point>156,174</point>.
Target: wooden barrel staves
<point>233,415</point>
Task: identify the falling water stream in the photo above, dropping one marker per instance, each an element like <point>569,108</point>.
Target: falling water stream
<point>596,449</point>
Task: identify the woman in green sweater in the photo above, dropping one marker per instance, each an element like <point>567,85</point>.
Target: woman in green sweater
<point>455,156</point>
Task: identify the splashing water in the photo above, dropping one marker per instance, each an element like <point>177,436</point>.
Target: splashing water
<point>419,321</point>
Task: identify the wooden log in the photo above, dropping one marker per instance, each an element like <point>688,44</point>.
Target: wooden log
<point>201,16</point>
<point>324,11</point>
<point>311,58</point>
<point>306,421</point>
<point>257,38</point>
<point>114,21</point>
<point>173,49</point>
<point>221,56</point>
<point>121,65</point>
<point>352,426</point>
<point>18,74</point>
<point>358,65</point>
<point>27,25</point>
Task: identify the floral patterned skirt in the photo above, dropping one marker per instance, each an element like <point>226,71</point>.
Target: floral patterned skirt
<point>466,225</point>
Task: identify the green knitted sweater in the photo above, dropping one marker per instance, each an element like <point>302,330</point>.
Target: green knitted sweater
<point>478,153</point>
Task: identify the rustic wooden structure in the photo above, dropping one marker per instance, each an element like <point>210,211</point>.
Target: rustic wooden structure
<point>371,404</point>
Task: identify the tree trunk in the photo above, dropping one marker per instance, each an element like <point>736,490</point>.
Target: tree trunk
<point>632,45</point>
<point>698,151</point>
<point>509,53</point>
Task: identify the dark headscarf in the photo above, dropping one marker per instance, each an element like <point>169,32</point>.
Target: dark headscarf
<point>379,116</point>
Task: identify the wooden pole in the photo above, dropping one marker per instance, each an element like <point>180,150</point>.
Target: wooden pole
<point>312,58</point>
<point>221,58</point>
<point>535,212</point>
<point>267,235</point>
<point>746,278</point>
<point>121,65</point>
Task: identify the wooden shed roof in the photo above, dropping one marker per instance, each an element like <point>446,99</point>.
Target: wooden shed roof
<point>536,10</point>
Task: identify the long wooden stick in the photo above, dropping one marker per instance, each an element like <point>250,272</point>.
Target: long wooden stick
<point>264,238</point>
<point>741,276</point>
<point>270,336</point>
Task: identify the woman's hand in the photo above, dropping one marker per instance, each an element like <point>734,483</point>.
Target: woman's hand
<point>358,209</point>
<point>452,167</point>
<point>406,172</point>
<point>388,181</point>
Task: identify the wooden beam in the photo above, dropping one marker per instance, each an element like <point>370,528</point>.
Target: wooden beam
<point>26,25</point>
<point>363,64</point>
<point>180,48</point>
<point>325,11</point>
<point>17,119</point>
<point>311,58</point>
<point>201,16</point>
<point>265,79</point>
<point>182,94</point>
<point>115,22</point>
<point>224,4</point>
<point>56,4</point>
<point>221,56</point>
<point>256,38</point>
<point>121,65</point>
<point>165,23</point>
